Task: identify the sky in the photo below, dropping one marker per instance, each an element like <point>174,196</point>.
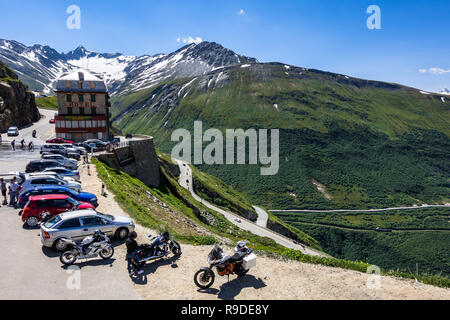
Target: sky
<point>411,48</point>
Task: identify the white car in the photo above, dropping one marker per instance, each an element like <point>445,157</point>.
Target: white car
<point>37,181</point>
<point>70,147</point>
<point>66,162</point>
<point>13,132</point>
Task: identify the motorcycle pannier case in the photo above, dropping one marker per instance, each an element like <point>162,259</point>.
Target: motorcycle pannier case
<point>249,261</point>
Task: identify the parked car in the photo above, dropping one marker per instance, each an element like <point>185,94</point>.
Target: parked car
<point>51,121</point>
<point>83,145</point>
<point>59,140</point>
<point>53,204</point>
<point>54,148</point>
<point>49,181</point>
<point>99,144</point>
<point>37,166</point>
<point>77,225</point>
<point>24,176</point>
<point>74,155</point>
<point>64,172</point>
<point>13,132</point>
<point>66,162</point>
<point>40,191</point>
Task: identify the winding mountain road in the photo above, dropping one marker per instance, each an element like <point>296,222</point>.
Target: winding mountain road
<point>186,182</point>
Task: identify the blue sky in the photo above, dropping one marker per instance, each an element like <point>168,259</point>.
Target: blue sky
<point>328,35</point>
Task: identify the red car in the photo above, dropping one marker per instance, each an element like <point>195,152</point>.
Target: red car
<point>53,204</point>
<point>59,140</point>
<point>52,121</point>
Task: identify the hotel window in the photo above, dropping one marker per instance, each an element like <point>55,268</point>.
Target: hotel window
<point>68,124</point>
<point>92,97</point>
<point>82,124</point>
<point>80,98</point>
<point>88,124</point>
<point>74,124</point>
<point>103,123</point>
<point>68,97</point>
<point>62,124</point>
<point>81,110</point>
<point>69,110</point>
<point>67,84</point>
<point>80,85</point>
<point>92,85</point>
<point>94,123</point>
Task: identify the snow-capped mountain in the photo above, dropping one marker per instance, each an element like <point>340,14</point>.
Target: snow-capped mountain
<point>40,66</point>
<point>445,91</point>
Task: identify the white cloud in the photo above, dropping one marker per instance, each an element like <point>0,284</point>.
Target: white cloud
<point>241,12</point>
<point>434,71</point>
<point>189,40</point>
<point>438,71</point>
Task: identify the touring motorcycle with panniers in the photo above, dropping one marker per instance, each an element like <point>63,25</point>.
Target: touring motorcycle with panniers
<point>240,263</point>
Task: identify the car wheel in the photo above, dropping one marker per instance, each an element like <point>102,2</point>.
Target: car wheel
<point>59,245</point>
<point>32,221</point>
<point>122,233</point>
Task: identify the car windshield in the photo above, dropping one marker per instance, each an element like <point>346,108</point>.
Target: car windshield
<point>54,220</point>
<point>73,201</point>
<point>108,216</point>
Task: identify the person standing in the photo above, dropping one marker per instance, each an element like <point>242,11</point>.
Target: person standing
<point>14,187</point>
<point>3,190</point>
<point>13,144</point>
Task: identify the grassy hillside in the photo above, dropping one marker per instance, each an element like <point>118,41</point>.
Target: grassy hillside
<point>148,206</point>
<point>371,144</point>
<point>47,103</point>
<point>420,238</point>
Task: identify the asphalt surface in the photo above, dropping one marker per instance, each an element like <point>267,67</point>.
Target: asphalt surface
<point>30,271</point>
<point>186,182</point>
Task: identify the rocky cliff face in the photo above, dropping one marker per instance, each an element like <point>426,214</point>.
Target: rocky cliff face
<point>17,105</point>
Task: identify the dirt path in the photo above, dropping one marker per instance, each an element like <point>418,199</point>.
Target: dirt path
<point>271,279</point>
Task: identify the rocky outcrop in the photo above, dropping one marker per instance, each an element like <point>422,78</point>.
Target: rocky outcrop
<point>17,104</point>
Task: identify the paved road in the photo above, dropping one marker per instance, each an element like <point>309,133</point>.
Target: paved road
<point>29,271</point>
<point>263,217</point>
<point>186,182</point>
<point>364,210</point>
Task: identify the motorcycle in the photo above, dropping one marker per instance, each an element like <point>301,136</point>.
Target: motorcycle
<point>90,247</point>
<point>240,263</point>
<point>161,246</point>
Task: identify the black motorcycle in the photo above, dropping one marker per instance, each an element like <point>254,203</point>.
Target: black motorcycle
<point>161,246</point>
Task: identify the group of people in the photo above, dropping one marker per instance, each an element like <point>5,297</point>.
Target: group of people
<point>12,189</point>
<point>22,143</point>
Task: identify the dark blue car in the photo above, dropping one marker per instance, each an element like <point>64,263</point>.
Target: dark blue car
<point>44,190</point>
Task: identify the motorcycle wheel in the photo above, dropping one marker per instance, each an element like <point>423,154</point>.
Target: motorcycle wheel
<point>175,248</point>
<point>204,278</point>
<point>107,252</point>
<point>67,258</point>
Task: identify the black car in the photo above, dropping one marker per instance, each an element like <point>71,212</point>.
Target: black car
<point>37,166</point>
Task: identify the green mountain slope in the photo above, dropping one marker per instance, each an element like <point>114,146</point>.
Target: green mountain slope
<point>370,144</point>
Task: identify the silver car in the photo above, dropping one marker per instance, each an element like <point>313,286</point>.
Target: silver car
<point>66,162</point>
<point>77,225</point>
<point>43,180</point>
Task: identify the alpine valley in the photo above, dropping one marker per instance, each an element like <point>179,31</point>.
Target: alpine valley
<point>345,143</point>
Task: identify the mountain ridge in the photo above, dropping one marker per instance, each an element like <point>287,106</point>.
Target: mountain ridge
<point>40,66</point>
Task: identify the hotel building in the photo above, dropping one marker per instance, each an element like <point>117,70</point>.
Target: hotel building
<point>83,107</point>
